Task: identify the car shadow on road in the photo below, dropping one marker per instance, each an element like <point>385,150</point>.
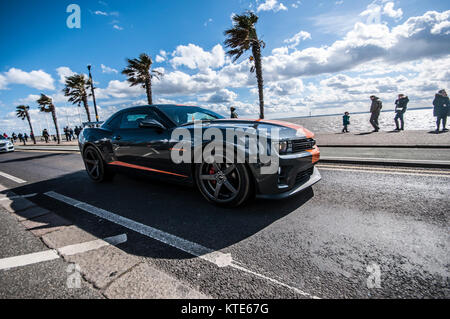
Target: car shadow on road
<point>175,209</point>
<point>30,158</point>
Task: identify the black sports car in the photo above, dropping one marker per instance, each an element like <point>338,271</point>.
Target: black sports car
<point>146,139</point>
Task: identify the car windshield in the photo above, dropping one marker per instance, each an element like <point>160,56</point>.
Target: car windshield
<point>181,115</point>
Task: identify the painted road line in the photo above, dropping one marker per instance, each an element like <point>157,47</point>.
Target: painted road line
<point>396,169</point>
<point>383,172</point>
<point>19,196</point>
<point>34,258</point>
<point>13,178</point>
<point>216,257</point>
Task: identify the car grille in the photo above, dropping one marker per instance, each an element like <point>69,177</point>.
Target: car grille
<point>304,176</point>
<point>302,145</point>
<point>2,144</point>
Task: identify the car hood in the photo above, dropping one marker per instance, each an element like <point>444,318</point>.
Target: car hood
<point>286,130</point>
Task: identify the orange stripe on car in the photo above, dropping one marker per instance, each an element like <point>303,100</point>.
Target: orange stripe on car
<point>119,163</point>
<point>315,152</point>
<point>296,127</point>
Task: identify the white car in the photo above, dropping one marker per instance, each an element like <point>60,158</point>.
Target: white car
<point>6,145</point>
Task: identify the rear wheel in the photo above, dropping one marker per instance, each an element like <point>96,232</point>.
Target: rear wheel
<point>224,184</point>
<point>95,166</point>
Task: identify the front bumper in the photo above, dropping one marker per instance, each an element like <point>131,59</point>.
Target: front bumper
<point>314,178</point>
<point>6,148</point>
<point>296,172</point>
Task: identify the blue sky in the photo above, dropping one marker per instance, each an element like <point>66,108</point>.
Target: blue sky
<point>321,56</point>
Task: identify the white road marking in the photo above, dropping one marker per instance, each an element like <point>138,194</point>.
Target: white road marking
<point>216,257</point>
<point>382,172</point>
<point>92,245</point>
<point>34,258</point>
<point>13,178</point>
<point>24,260</point>
<point>19,196</point>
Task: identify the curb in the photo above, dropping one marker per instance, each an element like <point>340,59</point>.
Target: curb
<point>54,148</point>
<point>386,146</point>
<point>386,162</point>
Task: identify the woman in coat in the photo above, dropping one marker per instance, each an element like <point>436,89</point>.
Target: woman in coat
<point>441,109</point>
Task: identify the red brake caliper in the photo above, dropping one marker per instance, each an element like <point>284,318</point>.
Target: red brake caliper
<point>212,172</point>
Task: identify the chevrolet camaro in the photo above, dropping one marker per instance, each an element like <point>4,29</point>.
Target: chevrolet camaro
<point>141,139</point>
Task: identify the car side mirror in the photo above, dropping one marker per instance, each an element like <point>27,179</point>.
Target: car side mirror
<point>151,123</point>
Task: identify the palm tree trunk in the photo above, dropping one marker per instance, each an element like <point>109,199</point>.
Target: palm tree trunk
<point>31,127</point>
<point>256,50</point>
<point>86,107</point>
<point>148,88</point>
<point>56,125</point>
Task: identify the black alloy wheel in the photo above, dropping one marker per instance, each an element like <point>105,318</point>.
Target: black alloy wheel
<point>224,184</point>
<point>95,166</point>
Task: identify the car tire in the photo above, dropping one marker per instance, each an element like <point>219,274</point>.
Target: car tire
<point>233,180</point>
<point>96,167</point>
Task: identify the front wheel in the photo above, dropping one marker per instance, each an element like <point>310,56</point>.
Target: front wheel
<point>224,184</point>
<point>95,166</point>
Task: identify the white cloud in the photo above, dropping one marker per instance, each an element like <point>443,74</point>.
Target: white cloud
<point>194,57</point>
<point>32,98</point>
<point>208,22</point>
<point>101,13</point>
<point>271,5</point>
<point>117,27</point>
<point>3,82</point>
<point>391,12</point>
<point>119,89</point>
<point>36,79</point>
<point>221,96</point>
<point>409,41</point>
<point>64,72</point>
<point>296,4</point>
<point>295,40</point>
<point>107,69</point>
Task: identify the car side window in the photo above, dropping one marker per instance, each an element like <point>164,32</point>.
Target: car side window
<point>132,119</point>
<point>114,122</point>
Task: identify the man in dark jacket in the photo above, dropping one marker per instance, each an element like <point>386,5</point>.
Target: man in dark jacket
<point>233,113</point>
<point>400,109</point>
<point>441,110</point>
<point>375,109</point>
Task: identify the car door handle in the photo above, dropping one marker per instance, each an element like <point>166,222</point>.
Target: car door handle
<point>117,138</point>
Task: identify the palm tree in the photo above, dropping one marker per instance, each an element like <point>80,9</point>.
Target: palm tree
<point>139,73</point>
<point>22,112</point>
<point>76,89</point>
<point>243,37</point>
<point>46,105</point>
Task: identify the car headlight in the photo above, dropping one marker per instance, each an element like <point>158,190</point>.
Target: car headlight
<point>283,146</point>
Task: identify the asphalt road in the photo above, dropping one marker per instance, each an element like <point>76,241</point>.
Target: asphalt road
<point>328,242</point>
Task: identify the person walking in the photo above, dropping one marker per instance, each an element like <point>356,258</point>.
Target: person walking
<point>25,136</point>
<point>233,112</point>
<point>441,110</point>
<point>346,122</point>
<point>45,135</point>
<point>14,137</point>
<point>71,133</point>
<point>400,109</point>
<point>21,139</point>
<point>375,110</point>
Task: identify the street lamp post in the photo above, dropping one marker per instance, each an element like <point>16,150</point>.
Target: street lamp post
<point>93,94</point>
